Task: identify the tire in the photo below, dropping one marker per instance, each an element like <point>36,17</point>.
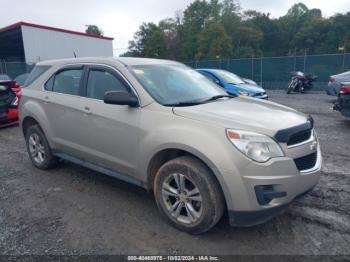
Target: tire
<point>290,87</point>
<point>39,149</point>
<point>198,212</point>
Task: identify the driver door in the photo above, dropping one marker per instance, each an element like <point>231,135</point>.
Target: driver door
<point>111,132</point>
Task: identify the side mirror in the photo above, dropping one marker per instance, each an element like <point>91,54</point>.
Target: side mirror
<point>121,98</point>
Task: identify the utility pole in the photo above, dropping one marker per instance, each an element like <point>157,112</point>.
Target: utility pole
<point>261,71</point>
<point>252,67</point>
<point>305,61</point>
<point>344,56</point>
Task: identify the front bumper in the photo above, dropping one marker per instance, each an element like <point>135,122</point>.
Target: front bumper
<point>279,174</point>
<point>253,218</point>
<point>9,119</point>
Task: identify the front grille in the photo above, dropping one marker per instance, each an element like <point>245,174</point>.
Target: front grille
<point>306,162</point>
<point>299,137</point>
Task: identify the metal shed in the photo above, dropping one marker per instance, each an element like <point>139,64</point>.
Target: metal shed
<point>30,43</point>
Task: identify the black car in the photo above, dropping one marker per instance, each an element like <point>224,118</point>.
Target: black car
<point>343,103</point>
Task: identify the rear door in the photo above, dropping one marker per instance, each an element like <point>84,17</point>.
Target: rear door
<point>111,132</point>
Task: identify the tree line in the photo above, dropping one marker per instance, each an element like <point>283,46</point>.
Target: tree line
<point>219,29</point>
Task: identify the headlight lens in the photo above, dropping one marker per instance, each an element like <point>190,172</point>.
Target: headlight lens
<point>257,147</point>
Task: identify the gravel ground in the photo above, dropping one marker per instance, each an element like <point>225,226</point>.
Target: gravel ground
<point>72,210</point>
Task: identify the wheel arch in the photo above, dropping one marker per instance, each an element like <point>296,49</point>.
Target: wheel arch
<point>165,154</point>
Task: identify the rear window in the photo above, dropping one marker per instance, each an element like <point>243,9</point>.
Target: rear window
<point>35,74</point>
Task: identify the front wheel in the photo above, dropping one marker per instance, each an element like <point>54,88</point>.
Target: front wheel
<point>291,86</point>
<point>188,195</point>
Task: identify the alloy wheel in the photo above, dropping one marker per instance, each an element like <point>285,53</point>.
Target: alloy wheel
<point>36,148</point>
<point>182,198</point>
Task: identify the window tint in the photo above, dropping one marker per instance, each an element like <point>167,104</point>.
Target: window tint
<point>100,82</point>
<point>67,81</point>
<point>49,84</point>
<point>36,72</point>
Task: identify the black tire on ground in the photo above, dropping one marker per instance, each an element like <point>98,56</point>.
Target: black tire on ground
<point>50,161</point>
<point>290,87</point>
<point>213,201</point>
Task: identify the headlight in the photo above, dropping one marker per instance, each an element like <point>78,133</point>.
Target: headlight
<point>257,147</point>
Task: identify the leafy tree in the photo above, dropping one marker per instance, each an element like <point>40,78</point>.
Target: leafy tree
<point>148,42</point>
<point>220,28</point>
<point>93,30</point>
<point>214,43</point>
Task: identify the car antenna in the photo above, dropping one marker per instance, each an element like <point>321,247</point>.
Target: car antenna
<point>75,55</point>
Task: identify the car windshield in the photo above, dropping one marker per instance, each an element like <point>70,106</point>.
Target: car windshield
<point>5,77</point>
<point>176,85</point>
<point>228,77</point>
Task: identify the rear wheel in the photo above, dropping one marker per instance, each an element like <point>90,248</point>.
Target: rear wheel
<point>188,195</point>
<point>38,148</point>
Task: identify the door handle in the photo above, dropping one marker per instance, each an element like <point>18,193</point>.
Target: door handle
<point>87,110</point>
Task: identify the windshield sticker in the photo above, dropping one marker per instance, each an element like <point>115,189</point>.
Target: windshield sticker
<point>139,71</point>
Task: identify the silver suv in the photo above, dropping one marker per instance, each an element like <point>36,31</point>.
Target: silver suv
<point>165,127</point>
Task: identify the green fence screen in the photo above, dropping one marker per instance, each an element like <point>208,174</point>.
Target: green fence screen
<point>269,72</point>
<point>14,69</point>
<point>275,72</point>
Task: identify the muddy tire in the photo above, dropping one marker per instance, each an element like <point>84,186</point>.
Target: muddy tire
<point>39,149</point>
<point>188,195</point>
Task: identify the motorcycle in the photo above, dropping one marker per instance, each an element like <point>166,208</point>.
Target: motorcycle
<point>301,82</point>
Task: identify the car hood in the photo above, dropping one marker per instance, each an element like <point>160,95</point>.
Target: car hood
<point>250,88</point>
<point>245,113</point>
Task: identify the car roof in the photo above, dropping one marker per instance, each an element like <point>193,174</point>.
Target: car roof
<point>128,61</point>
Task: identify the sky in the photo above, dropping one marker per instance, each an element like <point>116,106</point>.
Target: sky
<point>121,18</point>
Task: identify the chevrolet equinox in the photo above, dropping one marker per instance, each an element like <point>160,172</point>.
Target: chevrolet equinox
<point>165,127</point>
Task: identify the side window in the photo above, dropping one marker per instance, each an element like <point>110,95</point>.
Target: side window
<point>100,82</point>
<point>49,83</point>
<point>35,74</point>
<point>66,82</point>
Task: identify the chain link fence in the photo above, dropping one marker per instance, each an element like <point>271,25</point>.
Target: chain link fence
<point>269,72</point>
<point>14,69</point>
<point>275,72</point>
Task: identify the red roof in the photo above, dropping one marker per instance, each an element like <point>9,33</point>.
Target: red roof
<point>19,24</point>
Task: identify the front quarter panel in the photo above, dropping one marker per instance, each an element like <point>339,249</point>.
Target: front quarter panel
<point>205,141</point>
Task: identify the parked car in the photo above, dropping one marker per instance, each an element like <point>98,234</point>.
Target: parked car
<point>233,84</point>
<point>249,81</point>
<point>335,82</point>
<point>10,95</point>
<point>4,77</point>
<point>343,103</point>
<point>21,79</point>
<point>163,126</point>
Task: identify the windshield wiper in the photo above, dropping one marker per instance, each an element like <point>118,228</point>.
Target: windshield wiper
<point>213,98</point>
<point>188,103</point>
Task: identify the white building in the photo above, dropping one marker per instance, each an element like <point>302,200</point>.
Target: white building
<point>31,43</point>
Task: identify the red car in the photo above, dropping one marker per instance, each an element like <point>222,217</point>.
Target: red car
<point>10,96</point>
<point>343,103</point>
